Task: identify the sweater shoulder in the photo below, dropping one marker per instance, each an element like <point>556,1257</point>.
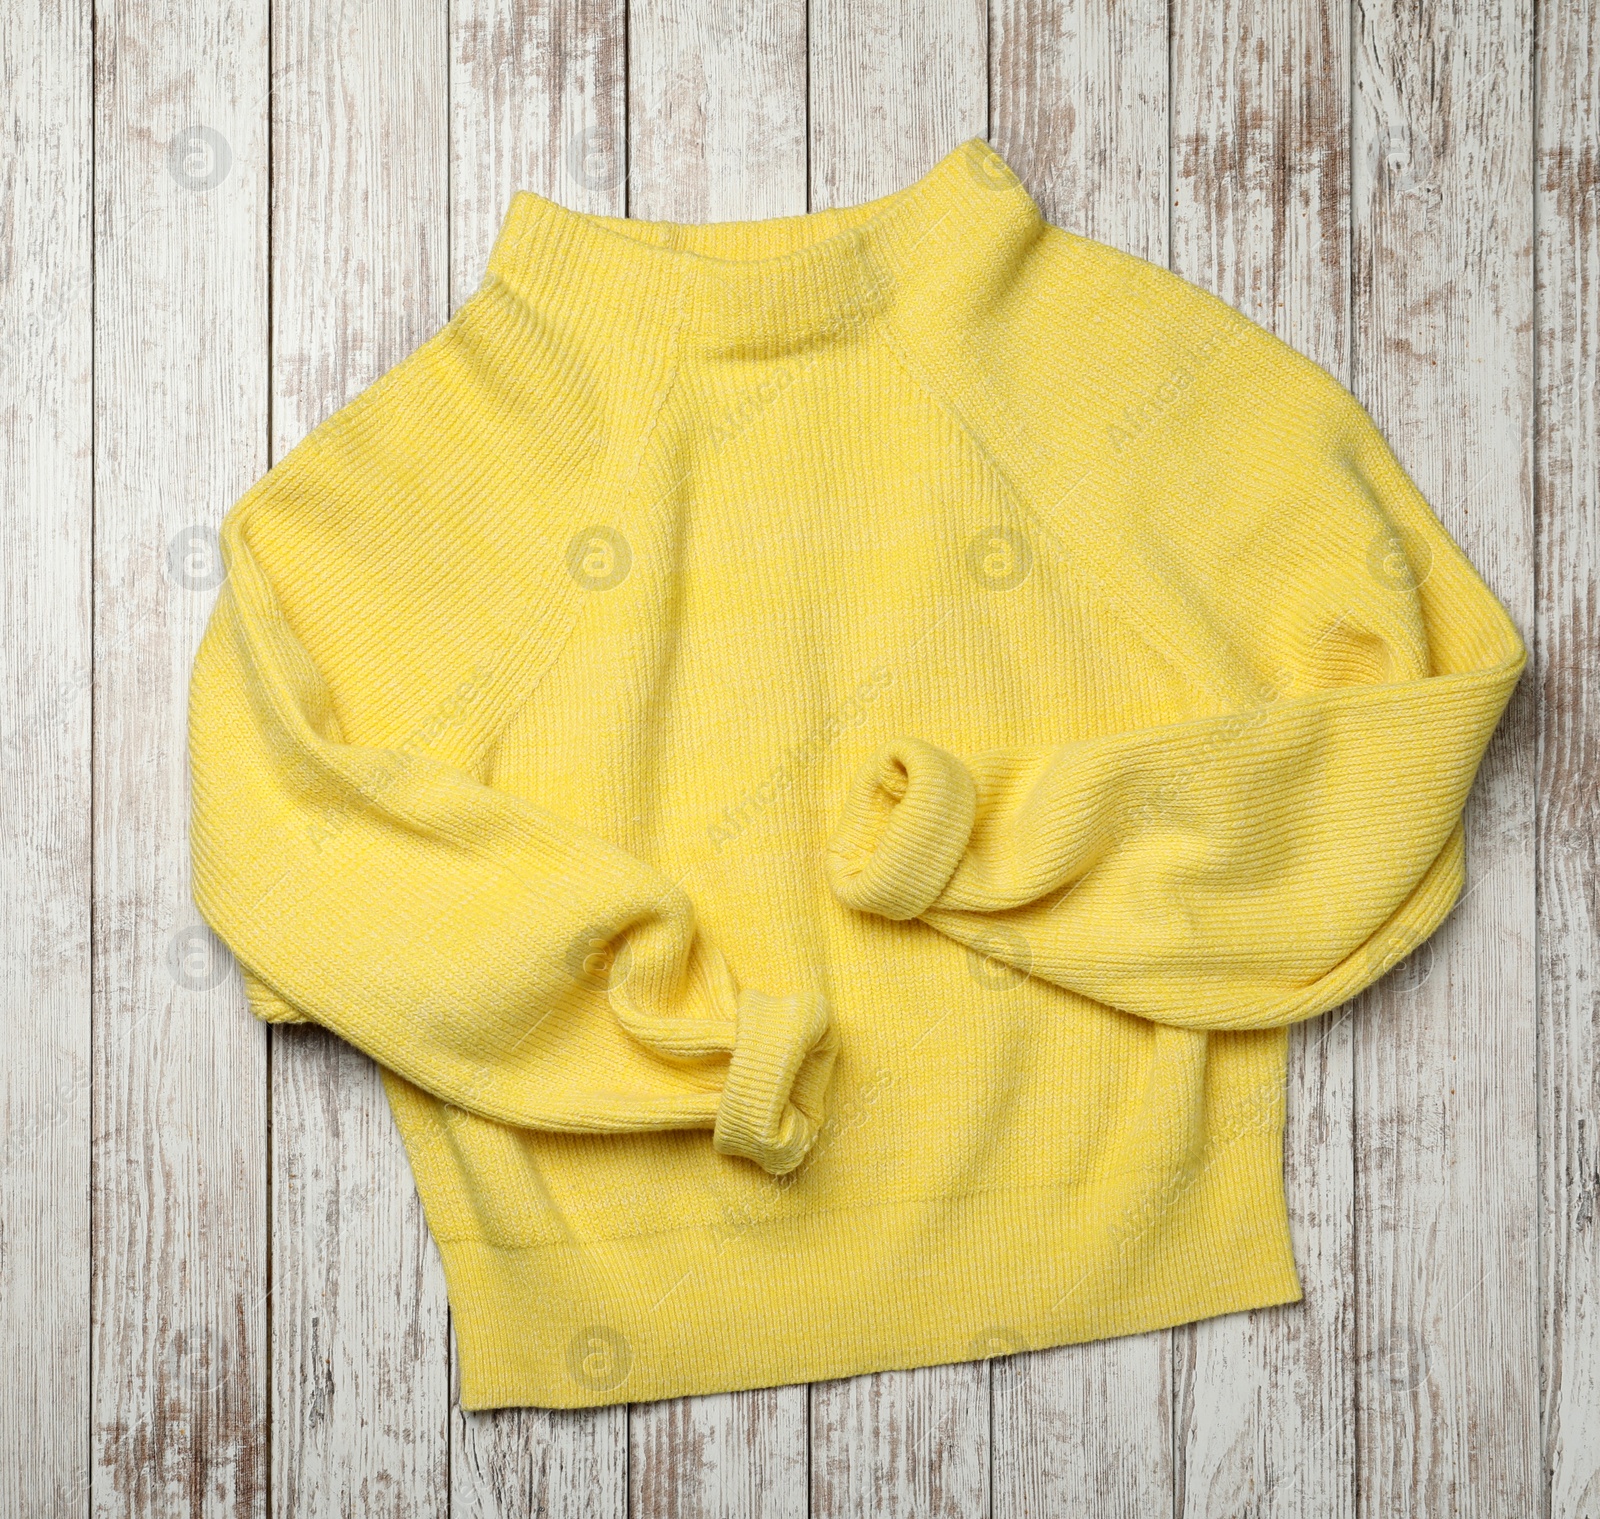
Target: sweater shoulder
<point>415,542</point>
<point>1190,463</point>
<point>1082,351</point>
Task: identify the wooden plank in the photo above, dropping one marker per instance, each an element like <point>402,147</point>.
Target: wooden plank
<point>893,89</point>
<point>1444,1351</point>
<point>717,131</point>
<point>717,111</point>
<point>538,97</point>
<point>180,1285</point>
<point>1261,217</point>
<point>46,482</point>
<point>538,101</point>
<point>736,1456</point>
<point>1079,110</point>
<point>903,1442</point>
<point>360,1346</point>
<point>1566,679</point>
<point>1447,1278</point>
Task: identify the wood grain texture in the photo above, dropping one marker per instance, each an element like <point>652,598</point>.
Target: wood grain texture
<point>538,102</point>
<point>738,1455</point>
<point>1447,1277</point>
<point>1566,682</point>
<point>46,549</point>
<point>180,1294</point>
<point>717,110</point>
<point>915,1443</point>
<point>893,89</point>
<point>1078,107</point>
<point>717,113</point>
<point>215,1283</point>
<point>1261,217</point>
<point>360,1346</point>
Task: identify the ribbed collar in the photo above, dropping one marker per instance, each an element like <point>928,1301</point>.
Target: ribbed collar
<point>777,278</point>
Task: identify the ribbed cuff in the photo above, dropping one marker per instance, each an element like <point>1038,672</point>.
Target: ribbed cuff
<point>906,824</point>
<point>773,1099</point>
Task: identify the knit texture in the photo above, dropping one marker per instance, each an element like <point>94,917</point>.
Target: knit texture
<point>820,756</point>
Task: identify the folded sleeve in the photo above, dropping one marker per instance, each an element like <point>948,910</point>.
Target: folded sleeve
<point>1262,861</point>
<point>371,637</point>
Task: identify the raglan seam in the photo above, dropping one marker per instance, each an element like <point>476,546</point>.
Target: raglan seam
<point>1096,582</point>
<point>572,609</point>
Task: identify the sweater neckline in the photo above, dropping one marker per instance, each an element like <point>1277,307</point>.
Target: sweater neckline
<point>775,277</point>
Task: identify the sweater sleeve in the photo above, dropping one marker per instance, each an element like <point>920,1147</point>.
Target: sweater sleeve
<point>1264,861</point>
<point>364,649</point>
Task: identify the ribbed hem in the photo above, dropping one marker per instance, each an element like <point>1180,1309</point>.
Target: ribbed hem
<point>767,1302</point>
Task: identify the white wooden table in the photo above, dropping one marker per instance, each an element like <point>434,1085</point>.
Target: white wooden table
<point>222,219</point>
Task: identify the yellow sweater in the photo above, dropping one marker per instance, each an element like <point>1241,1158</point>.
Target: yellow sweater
<point>820,756</point>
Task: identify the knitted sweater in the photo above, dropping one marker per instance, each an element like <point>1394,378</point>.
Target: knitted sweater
<point>820,756</point>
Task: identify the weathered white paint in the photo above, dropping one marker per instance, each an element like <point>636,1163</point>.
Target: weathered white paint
<point>46,521</point>
<point>1079,109</point>
<point>1381,186</point>
<point>538,103</point>
<point>893,89</point>
<point>1566,682</point>
<point>1447,1183</point>
<point>717,132</point>
<point>1261,216</point>
<point>180,1284</point>
<point>360,217</point>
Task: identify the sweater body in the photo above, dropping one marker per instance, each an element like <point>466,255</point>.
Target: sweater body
<point>821,757</point>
